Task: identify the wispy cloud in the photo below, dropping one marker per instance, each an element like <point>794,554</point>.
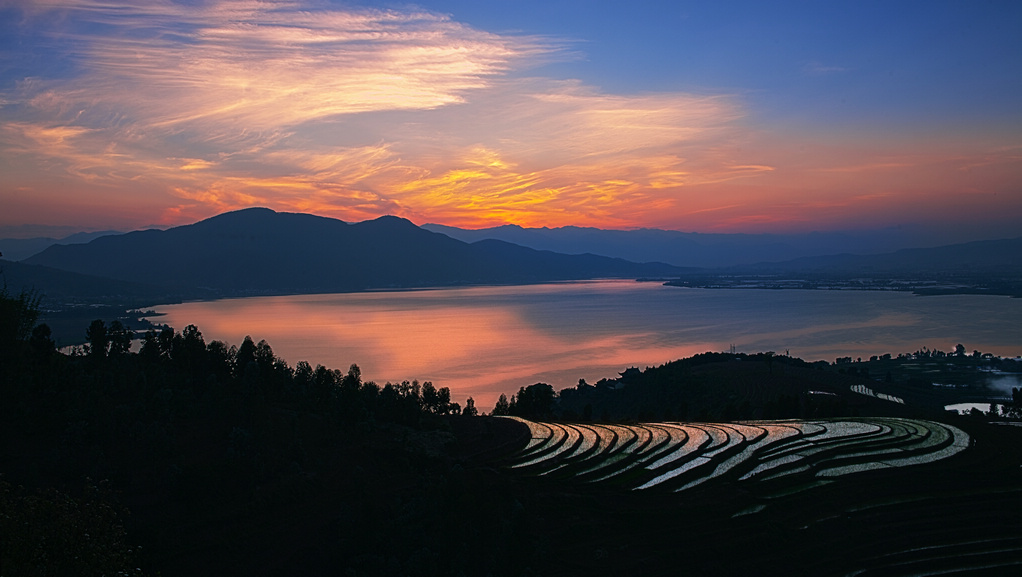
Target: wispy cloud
<point>257,66</point>
<point>350,113</point>
<point>188,109</point>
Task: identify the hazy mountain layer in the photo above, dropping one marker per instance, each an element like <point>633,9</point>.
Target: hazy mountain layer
<point>982,257</point>
<point>22,248</point>
<point>688,249</point>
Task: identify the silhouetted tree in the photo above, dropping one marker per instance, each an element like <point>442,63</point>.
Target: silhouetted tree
<point>18,315</point>
<point>430,398</point>
<point>470,409</point>
<point>354,377</point>
<point>119,337</point>
<point>41,341</point>
<point>98,339</point>
<point>535,401</point>
<point>220,359</point>
<point>150,349</point>
<point>246,355</point>
<point>166,341</point>
<point>502,407</point>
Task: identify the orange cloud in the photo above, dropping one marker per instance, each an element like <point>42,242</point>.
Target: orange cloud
<point>192,110</point>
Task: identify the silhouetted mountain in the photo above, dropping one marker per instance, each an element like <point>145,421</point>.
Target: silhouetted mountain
<point>259,251</point>
<point>816,253</point>
<point>687,249</point>
<point>22,248</point>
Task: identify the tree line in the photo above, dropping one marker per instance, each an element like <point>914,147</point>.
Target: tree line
<point>126,444</point>
<point>739,386</point>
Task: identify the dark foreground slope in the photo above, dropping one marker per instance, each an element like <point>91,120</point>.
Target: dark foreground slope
<point>960,514</point>
<point>258,251</point>
<point>194,458</point>
<point>190,458</point>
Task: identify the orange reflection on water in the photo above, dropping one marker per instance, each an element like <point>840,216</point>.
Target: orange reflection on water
<point>475,350</point>
<point>485,341</point>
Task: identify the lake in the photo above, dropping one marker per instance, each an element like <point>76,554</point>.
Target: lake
<point>483,341</point>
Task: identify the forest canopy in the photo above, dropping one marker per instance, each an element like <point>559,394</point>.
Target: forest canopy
<point>131,447</point>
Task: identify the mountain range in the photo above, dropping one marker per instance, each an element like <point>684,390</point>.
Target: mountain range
<point>732,260</point>
<point>259,251</point>
<point>687,249</point>
<point>691,249</point>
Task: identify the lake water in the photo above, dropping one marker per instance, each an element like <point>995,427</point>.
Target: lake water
<point>967,407</point>
<point>483,341</point>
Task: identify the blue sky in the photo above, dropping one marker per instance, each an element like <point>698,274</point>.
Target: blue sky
<point>697,116</point>
<point>830,62</point>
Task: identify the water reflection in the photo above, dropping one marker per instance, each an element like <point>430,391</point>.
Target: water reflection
<point>966,408</point>
<point>487,340</point>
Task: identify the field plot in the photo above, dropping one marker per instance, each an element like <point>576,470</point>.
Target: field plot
<point>678,456</point>
<point>864,390</point>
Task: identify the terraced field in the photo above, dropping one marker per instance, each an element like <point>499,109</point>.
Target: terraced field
<point>866,496</point>
<point>864,390</point>
<point>679,456</point>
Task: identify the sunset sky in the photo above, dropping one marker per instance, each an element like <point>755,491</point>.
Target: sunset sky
<point>695,116</point>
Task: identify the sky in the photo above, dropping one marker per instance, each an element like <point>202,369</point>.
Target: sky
<point>725,116</point>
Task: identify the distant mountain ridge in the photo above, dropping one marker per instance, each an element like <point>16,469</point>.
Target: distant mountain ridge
<point>979,257</point>
<point>688,249</point>
<point>22,248</point>
<point>259,251</point>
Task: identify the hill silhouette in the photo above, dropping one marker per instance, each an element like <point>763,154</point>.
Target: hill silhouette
<point>259,251</point>
<point>61,287</point>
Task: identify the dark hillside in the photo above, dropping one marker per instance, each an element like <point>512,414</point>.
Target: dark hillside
<point>956,516</point>
<point>726,387</point>
<point>194,458</point>
<point>258,251</point>
<point>62,287</point>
